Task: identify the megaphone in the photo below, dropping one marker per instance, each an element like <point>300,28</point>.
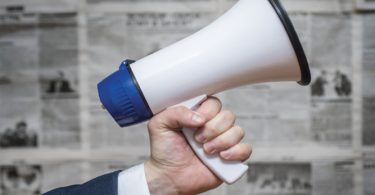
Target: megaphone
<point>253,42</point>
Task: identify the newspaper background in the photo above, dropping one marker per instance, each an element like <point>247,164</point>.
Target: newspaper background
<point>317,140</point>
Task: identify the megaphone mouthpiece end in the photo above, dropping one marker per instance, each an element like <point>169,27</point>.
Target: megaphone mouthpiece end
<point>121,97</point>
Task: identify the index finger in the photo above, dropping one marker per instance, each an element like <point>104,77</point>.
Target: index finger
<point>210,108</point>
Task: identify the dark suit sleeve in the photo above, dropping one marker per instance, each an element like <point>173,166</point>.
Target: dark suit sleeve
<point>103,185</point>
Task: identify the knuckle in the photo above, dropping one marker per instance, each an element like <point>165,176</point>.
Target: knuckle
<point>219,129</point>
<point>209,130</point>
<point>247,152</point>
<point>217,101</point>
<point>214,126</point>
<point>180,110</point>
<point>208,114</point>
<point>206,149</point>
<point>242,155</point>
<point>242,152</point>
<point>182,113</point>
<point>241,132</point>
<point>228,115</point>
<point>246,156</point>
<point>222,143</point>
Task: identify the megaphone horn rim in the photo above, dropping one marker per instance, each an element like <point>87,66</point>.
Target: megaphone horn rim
<point>302,60</point>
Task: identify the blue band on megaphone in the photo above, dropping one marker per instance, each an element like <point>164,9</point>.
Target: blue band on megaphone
<point>122,97</point>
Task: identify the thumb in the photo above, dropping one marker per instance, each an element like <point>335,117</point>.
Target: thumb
<point>176,118</point>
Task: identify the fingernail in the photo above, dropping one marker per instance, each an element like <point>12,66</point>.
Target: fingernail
<point>226,154</point>
<point>196,118</point>
<point>200,138</point>
<point>210,148</point>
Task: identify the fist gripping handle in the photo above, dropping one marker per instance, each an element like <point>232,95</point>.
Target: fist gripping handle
<point>228,171</point>
<point>123,99</point>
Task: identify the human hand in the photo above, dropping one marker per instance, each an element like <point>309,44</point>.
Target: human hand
<point>173,167</point>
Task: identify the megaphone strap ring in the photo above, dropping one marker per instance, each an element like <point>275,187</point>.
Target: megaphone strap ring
<point>304,66</point>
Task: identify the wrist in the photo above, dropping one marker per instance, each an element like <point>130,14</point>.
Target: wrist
<point>158,182</point>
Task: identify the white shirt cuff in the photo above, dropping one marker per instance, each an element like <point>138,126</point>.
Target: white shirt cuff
<point>133,181</point>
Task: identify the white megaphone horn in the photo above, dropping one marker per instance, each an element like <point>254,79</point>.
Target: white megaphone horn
<point>253,42</point>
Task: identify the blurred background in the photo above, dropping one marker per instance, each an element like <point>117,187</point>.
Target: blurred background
<point>316,140</point>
